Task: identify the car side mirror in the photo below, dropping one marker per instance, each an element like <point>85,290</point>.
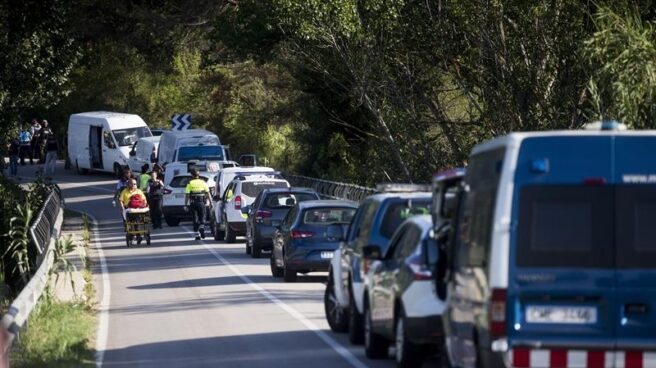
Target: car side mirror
<point>335,232</point>
<point>132,153</point>
<point>216,198</point>
<point>246,209</point>
<point>371,252</point>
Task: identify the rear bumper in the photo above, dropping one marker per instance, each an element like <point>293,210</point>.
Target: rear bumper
<point>308,259</point>
<point>425,330</point>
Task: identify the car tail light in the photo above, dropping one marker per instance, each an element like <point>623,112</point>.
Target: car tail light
<point>497,312</point>
<point>238,202</point>
<point>300,234</point>
<point>261,214</point>
<point>167,191</point>
<point>418,268</point>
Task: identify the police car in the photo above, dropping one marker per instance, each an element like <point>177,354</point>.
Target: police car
<point>555,262</point>
<point>173,198</point>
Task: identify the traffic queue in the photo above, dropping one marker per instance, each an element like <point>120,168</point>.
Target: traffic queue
<point>540,253</point>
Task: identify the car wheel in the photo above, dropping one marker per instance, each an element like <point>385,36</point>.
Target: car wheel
<point>336,315</point>
<point>256,248</point>
<point>172,221</point>
<point>275,270</point>
<point>230,235</point>
<point>356,323</point>
<point>118,171</point>
<point>217,232</point>
<point>288,275</point>
<point>375,346</point>
<point>407,354</point>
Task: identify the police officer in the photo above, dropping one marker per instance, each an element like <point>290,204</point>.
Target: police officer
<point>197,194</point>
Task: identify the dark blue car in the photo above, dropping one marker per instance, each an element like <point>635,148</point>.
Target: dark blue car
<point>307,237</point>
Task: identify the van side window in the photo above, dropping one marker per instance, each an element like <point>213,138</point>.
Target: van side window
<point>107,138</point>
<point>477,218</point>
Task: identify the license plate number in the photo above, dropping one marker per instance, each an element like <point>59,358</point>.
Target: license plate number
<point>327,255</point>
<point>179,195</point>
<point>561,314</point>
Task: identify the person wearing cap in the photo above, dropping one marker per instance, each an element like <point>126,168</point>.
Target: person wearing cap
<point>197,195</point>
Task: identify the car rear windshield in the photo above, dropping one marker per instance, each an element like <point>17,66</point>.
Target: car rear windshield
<point>328,215</point>
<point>587,226</point>
<point>287,200</point>
<point>253,188</point>
<point>211,153</point>
<point>398,212</point>
<point>182,181</point>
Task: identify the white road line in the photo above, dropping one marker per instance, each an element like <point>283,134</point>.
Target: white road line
<point>103,322</point>
<point>345,353</point>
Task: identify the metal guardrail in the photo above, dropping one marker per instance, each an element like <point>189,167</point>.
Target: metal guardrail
<point>42,227</point>
<point>331,189</point>
<point>44,232</point>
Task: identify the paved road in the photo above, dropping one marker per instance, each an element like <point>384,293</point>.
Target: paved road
<point>185,303</point>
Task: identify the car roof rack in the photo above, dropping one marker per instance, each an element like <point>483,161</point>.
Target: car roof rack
<point>402,188</point>
<point>263,174</point>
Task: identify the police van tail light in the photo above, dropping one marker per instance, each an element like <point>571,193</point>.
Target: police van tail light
<point>167,191</point>
<point>238,202</point>
<point>418,268</point>
<point>497,312</point>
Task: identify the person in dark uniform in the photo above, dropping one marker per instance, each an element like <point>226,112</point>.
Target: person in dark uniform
<point>197,194</point>
<point>155,187</point>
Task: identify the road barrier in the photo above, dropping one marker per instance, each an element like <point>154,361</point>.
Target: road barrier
<point>42,228</point>
<point>331,189</point>
<point>44,233</point>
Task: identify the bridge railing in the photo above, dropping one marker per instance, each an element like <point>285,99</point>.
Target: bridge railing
<point>331,189</point>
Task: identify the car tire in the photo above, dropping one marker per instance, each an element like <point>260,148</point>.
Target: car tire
<point>375,346</point>
<point>356,322</point>
<point>230,235</point>
<point>256,248</point>
<point>287,274</point>
<point>407,353</point>
<point>118,171</point>
<point>335,315</point>
<point>276,271</point>
<point>172,221</point>
<point>218,234</point>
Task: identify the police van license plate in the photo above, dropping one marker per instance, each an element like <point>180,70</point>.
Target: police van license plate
<point>327,255</point>
<point>561,314</point>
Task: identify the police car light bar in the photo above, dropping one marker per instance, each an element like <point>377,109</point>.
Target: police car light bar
<point>402,188</point>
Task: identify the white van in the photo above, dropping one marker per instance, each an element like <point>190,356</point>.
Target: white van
<point>172,140</point>
<point>141,152</point>
<point>101,140</point>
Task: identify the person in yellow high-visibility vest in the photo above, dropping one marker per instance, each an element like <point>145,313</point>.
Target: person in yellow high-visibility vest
<point>197,195</point>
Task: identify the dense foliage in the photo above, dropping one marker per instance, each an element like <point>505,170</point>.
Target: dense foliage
<point>361,91</point>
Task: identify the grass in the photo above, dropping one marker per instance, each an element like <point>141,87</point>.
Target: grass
<point>58,335</point>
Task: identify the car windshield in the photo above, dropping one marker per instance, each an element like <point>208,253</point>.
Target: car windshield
<point>214,153</point>
<point>287,200</point>
<point>398,212</point>
<point>182,181</point>
<point>127,137</point>
<point>327,216</point>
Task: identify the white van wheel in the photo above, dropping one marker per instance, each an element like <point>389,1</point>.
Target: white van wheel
<point>117,170</point>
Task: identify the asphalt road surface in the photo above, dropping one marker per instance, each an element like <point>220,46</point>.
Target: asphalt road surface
<point>187,303</point>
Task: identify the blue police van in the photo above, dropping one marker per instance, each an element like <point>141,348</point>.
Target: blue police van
<point>555,254</point>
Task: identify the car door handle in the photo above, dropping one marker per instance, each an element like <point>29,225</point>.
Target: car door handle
<point>635,308</point>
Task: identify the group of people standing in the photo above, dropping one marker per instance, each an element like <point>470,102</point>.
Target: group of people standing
<point>142,190</point>
<point>38,142</point>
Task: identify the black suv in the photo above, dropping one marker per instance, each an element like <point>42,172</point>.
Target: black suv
<point>266,212</point>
